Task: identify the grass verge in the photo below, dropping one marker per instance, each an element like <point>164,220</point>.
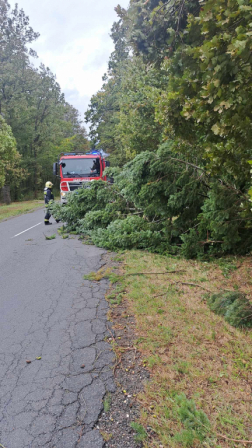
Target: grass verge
<point>18,208</point>
<point>200,388</point>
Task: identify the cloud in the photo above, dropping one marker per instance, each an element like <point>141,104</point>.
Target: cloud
<point>78,66</point>
<point>80,101</point>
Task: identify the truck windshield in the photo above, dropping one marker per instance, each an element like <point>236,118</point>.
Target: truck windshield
<point>81,167</point>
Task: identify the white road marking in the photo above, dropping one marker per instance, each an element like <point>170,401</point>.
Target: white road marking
<point>26,230</point>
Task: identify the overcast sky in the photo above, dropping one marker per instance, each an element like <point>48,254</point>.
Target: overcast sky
<point>74,42</point>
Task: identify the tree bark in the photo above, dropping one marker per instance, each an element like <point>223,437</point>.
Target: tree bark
<point>6,194</point>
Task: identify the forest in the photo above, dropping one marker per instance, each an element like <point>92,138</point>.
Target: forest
<point>174,113</point>
<point>36,123</point>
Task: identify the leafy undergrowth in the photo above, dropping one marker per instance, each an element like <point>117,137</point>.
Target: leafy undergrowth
<point>200,388</point>
<point>51,237</point>
<point>18,208</point>
<point>233,306</point>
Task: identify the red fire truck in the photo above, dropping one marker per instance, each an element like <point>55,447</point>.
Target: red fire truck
<point>77,169</point>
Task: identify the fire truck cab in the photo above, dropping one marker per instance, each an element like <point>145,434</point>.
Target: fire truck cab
<point>77,169</point>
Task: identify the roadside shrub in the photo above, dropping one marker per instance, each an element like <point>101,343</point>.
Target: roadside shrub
<point>234,307</point>
<point>219,303</point>
<point>239,313</point>
<point>195,422</point>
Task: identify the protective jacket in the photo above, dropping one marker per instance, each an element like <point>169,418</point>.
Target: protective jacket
<point>48,195</point>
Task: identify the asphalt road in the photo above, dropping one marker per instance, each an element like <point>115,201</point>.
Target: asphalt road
<point>47,310</point>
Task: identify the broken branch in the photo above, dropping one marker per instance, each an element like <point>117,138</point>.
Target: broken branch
<point>155,273</point>
<point>233,440</point>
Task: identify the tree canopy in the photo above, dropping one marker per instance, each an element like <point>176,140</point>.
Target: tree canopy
<point>8,153</point>
<point>32,103</point>
<point>184,81</point>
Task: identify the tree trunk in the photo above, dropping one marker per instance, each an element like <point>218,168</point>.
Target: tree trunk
<point>6,194</point>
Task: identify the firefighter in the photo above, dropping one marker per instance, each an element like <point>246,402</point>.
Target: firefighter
<point>48,200</point>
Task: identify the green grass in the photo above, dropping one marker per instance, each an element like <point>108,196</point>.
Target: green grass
<point>199,392</point>
<point>107,402</point>
<point>141,434</point>
<point>18,208</point>
<point>199,364</point>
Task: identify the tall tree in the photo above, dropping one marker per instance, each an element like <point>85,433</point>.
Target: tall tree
<point>208,99</point>
<point>8,156</point>
<point>137,129</point>
<point>186,82</point>
<point>31,100</point>
<point>103,110</point>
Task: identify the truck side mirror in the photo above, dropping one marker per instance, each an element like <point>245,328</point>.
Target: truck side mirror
<point>107,163</point>
<point>55,169</point>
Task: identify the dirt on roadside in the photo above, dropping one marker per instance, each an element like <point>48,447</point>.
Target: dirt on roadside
<point>121,408</point>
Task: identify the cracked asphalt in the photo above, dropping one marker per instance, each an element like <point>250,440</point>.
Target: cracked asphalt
<point>47,310</point>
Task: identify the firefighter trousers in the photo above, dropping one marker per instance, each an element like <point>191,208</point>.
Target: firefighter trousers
<point>47,217</point>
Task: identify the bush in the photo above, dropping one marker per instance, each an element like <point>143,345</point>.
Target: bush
<point>219,303</point>
<point>234,307</point>
<point>239,313</point>
<point>196,423</point>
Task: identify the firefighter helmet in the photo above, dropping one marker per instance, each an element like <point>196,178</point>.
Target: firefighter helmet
<point>48,184</point>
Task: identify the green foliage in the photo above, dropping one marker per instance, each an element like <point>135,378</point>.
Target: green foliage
<point>137,127</point>
<point>92,198</point>
<point>51,237</point>
<point>175,114</point>
<point>138,209</point>
<point>250,190</point>
<point>33,105</point>
<point>233,306</point>
<point>57,213</point>
<point>227,265</point>
<point>131,232</point>
<point>163,203</point>
<point>8,151</point>
<point>191,247</point>
<point>103,117</point>
<point>226,219</point>
<point>107,402</point>
<point>141,434</point>
<point>207,101</point>
<point>103,111</point>
<point>155,27</point>
<point>77,142</point>
<point>196,423</point>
